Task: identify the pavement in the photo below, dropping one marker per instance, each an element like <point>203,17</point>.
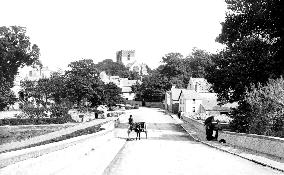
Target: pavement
<point>256,157</point>
<point>11,157</point>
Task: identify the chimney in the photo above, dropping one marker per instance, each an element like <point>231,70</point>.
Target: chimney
<point>196,87</point>
<point>173,86</point>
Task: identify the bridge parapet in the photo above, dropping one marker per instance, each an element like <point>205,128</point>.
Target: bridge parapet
<point>260,143</point>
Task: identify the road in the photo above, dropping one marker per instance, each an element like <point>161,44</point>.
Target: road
<point>168,150</point>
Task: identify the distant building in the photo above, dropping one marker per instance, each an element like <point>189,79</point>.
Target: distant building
<point>196,99</point>
<point>210,104</point>
<point>29,73</point>
<point>190,102</point>
<point>198,84</point>
<point>127,58</point>
<point>122,83</point>
<point>172,99</point>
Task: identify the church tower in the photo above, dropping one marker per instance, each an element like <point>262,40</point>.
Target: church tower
<point>125,56</point>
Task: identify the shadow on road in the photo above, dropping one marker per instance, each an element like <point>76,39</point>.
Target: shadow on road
<point>158,131</point>
<point>156,126</point>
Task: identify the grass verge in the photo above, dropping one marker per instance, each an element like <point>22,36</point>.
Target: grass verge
<point>89,130</point>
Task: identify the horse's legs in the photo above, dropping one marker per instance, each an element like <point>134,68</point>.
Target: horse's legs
<point>128,133</point>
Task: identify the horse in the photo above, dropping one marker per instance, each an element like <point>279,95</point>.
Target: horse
<point>138,127</point>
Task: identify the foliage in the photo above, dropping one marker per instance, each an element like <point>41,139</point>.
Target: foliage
<point>197,62</point>
<point>112,68</point>
<point>253,34</point>
<point>83,82</point>
<point>133,75</point>
<point>112,94</point>
<point>40,91</point>
<point>153,88</point>
<point>267,103</point>
<point>116,69</point>
<point>57,88</point>
<point>173,65</point>
<point>241,118</point>
<point>175,70</point>
<point>15,51</point>
<point>262,110</point>
<point>28,89</point>
<point>33,111</point>
<point>7,97</point>
<point>59,111</point>
<point>178,69</point>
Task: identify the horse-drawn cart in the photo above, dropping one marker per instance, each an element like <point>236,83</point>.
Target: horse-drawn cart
<point>138,127</point>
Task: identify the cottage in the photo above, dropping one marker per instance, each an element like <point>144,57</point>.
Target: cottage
<point>123,83</point>
<point>189,102</point>
<point>171,99</point>
<point>198,84</point>
<point>210,105</point>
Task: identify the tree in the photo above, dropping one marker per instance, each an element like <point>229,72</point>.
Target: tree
<point>267,104</point>
<point>253,34</point>
<point>172,65</point>
<point>28,90</point>
<point>197,62</point>
<point>112,94</point>
<point>58,87</point>
<point>178,69</point>
<point>39,90</point>
<point>113,68</point>
<point>153,87</point>
<point>83,82</point>
<point>15,51</point>
<point>7,97</point>
<point>174,70</point>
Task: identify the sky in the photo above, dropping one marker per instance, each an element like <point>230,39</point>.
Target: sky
<point>70,30</point>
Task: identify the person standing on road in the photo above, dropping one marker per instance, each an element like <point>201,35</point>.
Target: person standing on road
<point>179,114</point>
<point>130,121</point>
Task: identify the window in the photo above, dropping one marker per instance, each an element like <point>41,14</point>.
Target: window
<point>30,73</point>
<point>193,101</point>
<point>128,56</point>
<point>193,109</point>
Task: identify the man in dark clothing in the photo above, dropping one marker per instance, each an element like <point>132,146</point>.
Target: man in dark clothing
<point>179,114</point>
<point>210,128</point>
<point>130,121</point>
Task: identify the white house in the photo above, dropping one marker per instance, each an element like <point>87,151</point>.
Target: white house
<point>210,105</point>
<point>122,83</point>
<point>171,99</point>
<point>195,99</point>
<point>29,73</point>
<point>190,102</point>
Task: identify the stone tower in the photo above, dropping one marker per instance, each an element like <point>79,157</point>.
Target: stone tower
<point>125,56</point>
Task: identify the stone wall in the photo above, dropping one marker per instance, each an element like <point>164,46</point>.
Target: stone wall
<point>133,102</point>
<point>264,144</point>
<point>155,105</point>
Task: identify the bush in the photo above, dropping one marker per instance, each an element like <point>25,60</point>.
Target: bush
<point>262,111</point>
<point>58,111</point>
<point>241,118</point>
<point>34,112</point>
